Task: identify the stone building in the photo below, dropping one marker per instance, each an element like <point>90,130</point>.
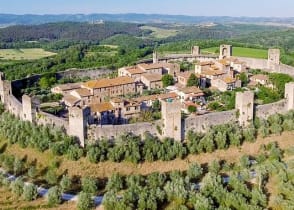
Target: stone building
<point>226,84</point>
<point>152,81</point>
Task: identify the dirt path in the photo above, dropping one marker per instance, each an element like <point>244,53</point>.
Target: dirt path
<point>102,170</point>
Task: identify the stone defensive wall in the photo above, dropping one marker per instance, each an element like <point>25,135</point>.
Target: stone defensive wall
<point>202,123</point>
<point>46,119</point>
<point>70,73</point>
<point>26,108</point>
<point>112,131</point>
<point>180,58</point>
<point>268,66</point>
<point>263,111</point>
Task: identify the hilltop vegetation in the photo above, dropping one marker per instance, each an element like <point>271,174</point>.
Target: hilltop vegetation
<point>67,31</point>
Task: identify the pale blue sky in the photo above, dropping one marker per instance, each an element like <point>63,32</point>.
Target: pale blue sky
<point>272,8</point>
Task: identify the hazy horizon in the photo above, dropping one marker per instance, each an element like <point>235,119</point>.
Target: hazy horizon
<point>230,8</point>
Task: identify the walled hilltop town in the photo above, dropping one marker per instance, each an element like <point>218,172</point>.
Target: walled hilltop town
<point>105,107</point>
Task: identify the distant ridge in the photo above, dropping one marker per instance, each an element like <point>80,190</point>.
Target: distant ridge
<point>30,19</point>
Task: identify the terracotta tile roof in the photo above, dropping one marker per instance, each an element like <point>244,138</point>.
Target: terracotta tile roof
<point>69,86</point>
<point>189,90</point>
<point>260,77</point>
<point>152,77</point>
<point>83,92</point>
<point>135,71</point>
<point>224,62</point>
<point>146,98</point>
<point>116,100</point>
<point>212,72</point>
<point>229,80</point>
<point>103,83</point>
<point>167,96</point>
<point>151,66</point>
<point>101,107</point>
<point>185,74</point>
<point>70,100</point>
<point>206,63</point>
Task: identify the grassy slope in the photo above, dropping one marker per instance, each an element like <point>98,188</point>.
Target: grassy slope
<point>242,52</point>
<point>105,169</point>
<point>24,54</point>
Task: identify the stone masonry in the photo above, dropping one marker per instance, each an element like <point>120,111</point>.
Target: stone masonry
<point>226,51</point>
<point>78,123</point>
<point>171,116</point>
<point>289,95</point>
<point>245,107</point>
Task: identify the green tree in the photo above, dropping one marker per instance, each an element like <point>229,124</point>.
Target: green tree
<point>54,196</point>
<point>244,78</point>
<point>194,171</point>
<point>51,177</point>
<point>30,192</point>
<point>85,201</point>
<point>167,80</point>
<point>65,183</point>
<point>17,186</point>
<point>89,185</point>
<point>192,109</point>
<point>115,183</point>
<point>193,81</point>
<point>47,81</point>
<point>32,172</point>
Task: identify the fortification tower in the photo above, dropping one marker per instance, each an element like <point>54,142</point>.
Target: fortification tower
<point>155,57</point>
<point>245,105</point>
<point>29,108</point>
<point>274,56</point>
<point>225,51</point>
<point>172,122</point>
<point>289,95</point>
<point>78,122</point>
<point>5,89</point>
<point>195,51</point>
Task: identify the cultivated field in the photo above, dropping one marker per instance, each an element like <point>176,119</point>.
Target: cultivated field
<point>240,51</point>
<point>160,33</point>
<point>24,54</point>
<point>10,201</point>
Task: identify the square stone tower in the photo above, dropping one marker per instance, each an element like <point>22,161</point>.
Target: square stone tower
<point>195,51</point>
<point>274,56</point>
<point>5,89</point>
<point>78,122</point>
<point>289,95</point>
<point>225,51</point>
<point>172,122</point>
<point>245,107</point>
<point>155,57</point>
<point>29,108</point>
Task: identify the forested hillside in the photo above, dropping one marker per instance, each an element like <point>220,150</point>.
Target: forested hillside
<point>67,31</point>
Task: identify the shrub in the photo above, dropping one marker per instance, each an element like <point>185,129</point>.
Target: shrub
<point>89,185</point>
<point>85,201</point>
<point>54,196</point>
<point>30,192</point>
<point>65,183</point>
<point>17,186</point>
